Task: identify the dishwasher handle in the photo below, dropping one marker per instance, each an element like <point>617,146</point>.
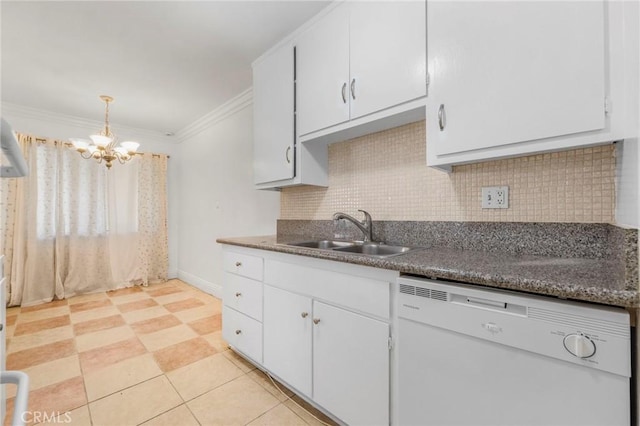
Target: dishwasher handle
<point>487,303</point>
<point>495,305</point>
<point>21,379</point>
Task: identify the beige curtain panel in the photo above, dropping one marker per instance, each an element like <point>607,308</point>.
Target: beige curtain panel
<point>73,227</point>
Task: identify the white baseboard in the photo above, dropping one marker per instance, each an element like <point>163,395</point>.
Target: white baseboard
<point>172,274</point>
<point>202,284</point>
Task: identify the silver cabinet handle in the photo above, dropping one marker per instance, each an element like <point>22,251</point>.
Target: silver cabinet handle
<point>344,93</point>
<point>238,264</point>
<point>304,314</point>
<point>316,320</point>
<point>238,294</point>
<point>353,88</point>
<point>238,331</point>
<point>442,117</point>
<point>286,154</point>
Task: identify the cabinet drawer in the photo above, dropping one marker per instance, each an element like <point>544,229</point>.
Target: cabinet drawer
<point>243,264</point>
<point>242,333</point>
<point>243,295</point>
<point>355,292</point>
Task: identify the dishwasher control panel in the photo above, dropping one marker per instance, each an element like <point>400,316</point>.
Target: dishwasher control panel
<point>596,337</point>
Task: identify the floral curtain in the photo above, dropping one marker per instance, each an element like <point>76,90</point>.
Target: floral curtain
<point>72,226</point>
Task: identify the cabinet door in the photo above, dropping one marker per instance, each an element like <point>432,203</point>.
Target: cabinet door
<point>351,365</point>
<point>273,121</point>
<point>322,72</point>
<point>287,337</point>
<point>388,54</point>
<point>510,72</point>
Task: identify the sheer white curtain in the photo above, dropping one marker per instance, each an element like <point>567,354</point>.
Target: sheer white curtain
<point>74,227</point>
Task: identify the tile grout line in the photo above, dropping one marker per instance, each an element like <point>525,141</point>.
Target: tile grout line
<point>82,368</point>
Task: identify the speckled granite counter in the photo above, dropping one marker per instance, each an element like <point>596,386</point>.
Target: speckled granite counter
<point>602,279</point>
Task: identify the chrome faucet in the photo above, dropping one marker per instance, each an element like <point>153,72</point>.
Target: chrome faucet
<point>365,226</point>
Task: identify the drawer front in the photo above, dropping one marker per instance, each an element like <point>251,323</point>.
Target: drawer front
<point>243,264</point>
<point>354,292</point>
<point>242,333</point>
<point>243,295</point>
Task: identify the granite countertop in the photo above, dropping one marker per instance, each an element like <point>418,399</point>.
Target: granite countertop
<point>599,280</point>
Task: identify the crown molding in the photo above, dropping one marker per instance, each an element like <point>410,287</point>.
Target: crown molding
<point>25,112</point>
<point>224,111</point>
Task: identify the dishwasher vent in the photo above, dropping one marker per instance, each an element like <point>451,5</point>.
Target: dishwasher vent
<point>423,292</point>
<point>581,323</point>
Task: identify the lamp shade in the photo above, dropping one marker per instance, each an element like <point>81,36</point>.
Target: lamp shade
<point>130,146</point>
<point>80,144</point>
<point>101,140</point>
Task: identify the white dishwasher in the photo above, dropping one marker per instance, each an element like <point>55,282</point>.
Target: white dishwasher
<point>470,356</point>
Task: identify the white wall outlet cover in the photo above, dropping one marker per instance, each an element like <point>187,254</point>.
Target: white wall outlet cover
<point>495,197</point>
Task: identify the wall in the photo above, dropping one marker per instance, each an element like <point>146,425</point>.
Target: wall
<point>628,177</point>
<point>627,209</point>
<point>217,198</point>
<point>386,174</point>
<point>50,125</point>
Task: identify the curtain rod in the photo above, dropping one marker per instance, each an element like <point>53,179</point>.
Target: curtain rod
<point>70,145</point>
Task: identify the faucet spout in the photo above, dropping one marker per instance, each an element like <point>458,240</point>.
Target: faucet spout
<point>366,226</point>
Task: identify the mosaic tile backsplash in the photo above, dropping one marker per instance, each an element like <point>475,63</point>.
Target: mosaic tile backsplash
<point>386,174</point>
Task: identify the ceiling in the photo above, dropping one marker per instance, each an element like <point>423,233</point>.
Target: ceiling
<point>166,63</point>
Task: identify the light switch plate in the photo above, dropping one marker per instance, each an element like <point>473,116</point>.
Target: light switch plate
<point>495,197</point>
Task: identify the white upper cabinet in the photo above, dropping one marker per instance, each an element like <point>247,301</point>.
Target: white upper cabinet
<point>388,54</point>
<point>273,119</point>
<point>278,159</point>
<point>323,72</point>
<point>511,78</point>
<point>359,59</point>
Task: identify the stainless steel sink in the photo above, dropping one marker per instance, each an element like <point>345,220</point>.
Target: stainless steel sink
<point>355,247</point>
<point>323,244</point>
<point>380,250</point>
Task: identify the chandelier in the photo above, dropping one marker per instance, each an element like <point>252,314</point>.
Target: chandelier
<point>104,146</point>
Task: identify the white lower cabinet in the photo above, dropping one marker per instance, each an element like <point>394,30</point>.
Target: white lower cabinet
<point>287,337</point>
<point>338,358</point>
<point>321,327</point>
<point>351,365</point>
<point>326,334</point>
<point>243,333</point>
<point>242,301</point>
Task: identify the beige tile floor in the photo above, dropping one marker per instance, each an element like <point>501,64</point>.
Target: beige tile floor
<point>144,355</point>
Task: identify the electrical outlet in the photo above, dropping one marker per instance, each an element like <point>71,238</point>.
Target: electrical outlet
<point>495,197</point>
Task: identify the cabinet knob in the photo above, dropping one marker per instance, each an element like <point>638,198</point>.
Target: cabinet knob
<point>353,89</point>
<point>238,294</point>
<point>344,93</point>
<point>304,314</point>
<point>286,155</point>
<point>316,320</point>
<point>238,264</point>
<point>442,117</point>
<point>238,331</point>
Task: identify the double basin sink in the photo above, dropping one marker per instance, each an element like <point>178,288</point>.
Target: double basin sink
<point>356,247</point>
